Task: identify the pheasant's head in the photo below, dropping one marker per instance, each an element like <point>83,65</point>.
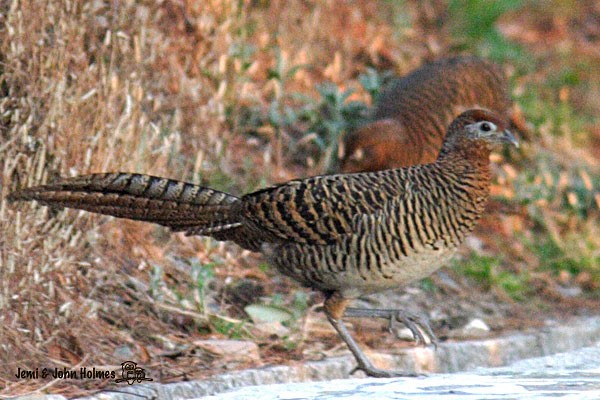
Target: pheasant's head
<point>477,131</point>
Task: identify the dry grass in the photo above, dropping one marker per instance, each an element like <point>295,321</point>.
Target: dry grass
<point>157,87</point>
<point>87,88</point>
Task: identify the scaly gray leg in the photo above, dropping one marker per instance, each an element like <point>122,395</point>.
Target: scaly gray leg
<point>334,308</point>
<point>416,323</point>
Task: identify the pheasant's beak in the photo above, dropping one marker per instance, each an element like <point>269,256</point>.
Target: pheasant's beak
<point>507,137</point>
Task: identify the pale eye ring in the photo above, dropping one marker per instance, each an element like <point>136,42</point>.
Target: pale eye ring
<point>486,127</point>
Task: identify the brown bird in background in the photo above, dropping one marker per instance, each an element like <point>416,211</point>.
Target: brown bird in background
<point>346,235</point>
<point>411,115</point>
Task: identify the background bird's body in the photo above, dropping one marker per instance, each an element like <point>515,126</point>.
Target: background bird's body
<point>413,112</point>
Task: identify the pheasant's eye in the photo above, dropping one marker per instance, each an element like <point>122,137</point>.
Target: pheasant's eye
<point>486,127</point>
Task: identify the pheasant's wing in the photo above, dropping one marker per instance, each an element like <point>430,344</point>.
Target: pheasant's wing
<point>321,209</point>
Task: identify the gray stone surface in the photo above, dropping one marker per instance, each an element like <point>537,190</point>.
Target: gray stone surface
<point>449,357</point>
<point>573,375</point>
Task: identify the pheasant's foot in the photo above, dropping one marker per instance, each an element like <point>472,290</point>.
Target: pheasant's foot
<point>334,309</point>
<point>374,372</point>
<point>418,325</point>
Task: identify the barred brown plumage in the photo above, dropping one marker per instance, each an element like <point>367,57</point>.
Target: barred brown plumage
<point>346,235</point>
<point>412,114</point>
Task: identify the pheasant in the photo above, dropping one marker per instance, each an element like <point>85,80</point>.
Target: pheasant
<point>346,235</point>
<point>411,116</point>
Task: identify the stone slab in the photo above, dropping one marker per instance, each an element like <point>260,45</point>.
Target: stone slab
<point>450,357</point>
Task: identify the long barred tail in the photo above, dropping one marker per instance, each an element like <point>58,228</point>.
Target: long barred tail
<point>178,205</point>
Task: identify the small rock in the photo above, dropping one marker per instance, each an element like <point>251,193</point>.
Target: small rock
<point>404,334</point>
<point>270,328</point>
<point>447,280</point>
<point>476,328</point>
<point>474,243</point>
<point>572,291</point>
<point>124,353</point>
<point>477,324</point>
<point>231,351</point>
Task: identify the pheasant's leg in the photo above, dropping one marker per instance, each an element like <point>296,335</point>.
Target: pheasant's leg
<point>334,308</point>
<point>416,323</point>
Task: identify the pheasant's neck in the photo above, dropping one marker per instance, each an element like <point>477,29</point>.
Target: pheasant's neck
<point>468,171</point>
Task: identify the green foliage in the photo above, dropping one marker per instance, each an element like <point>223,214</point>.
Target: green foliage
<point>560,198</point>
<point>217,179</point>
<point>156,282</point>
<point>479,268</point>
<point>477,17</point>
<point>299,304</point>
<point>568,76</point>
<point>320,120</point>
<point>516,286</point>
<point>297,118</point>
<point>244,52</point>
<point>475,27</point>
<point>229,328</point>
<point>280,114</point>
<point>561,117</point>
<point>575,255</point>
<point>487,272</point>
<point>263,267</point>
<point>202,275</point>
<point>427,285</point>
<point>333,114</point>
<point>373,81</point>
<point>290,343</point>
<point>548,182</point>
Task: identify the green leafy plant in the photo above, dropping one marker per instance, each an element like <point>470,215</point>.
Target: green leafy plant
<point>548,183</point>
<point>157,282</point>
<point>295,118</point>
<point>333,113</point>
<point>575,255</point>
<point>475,27</point>
<point>373,81</point>
<point>201,274</point>
<point>427,285</point>
<point>229,328</point>
<point>486,270</point>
